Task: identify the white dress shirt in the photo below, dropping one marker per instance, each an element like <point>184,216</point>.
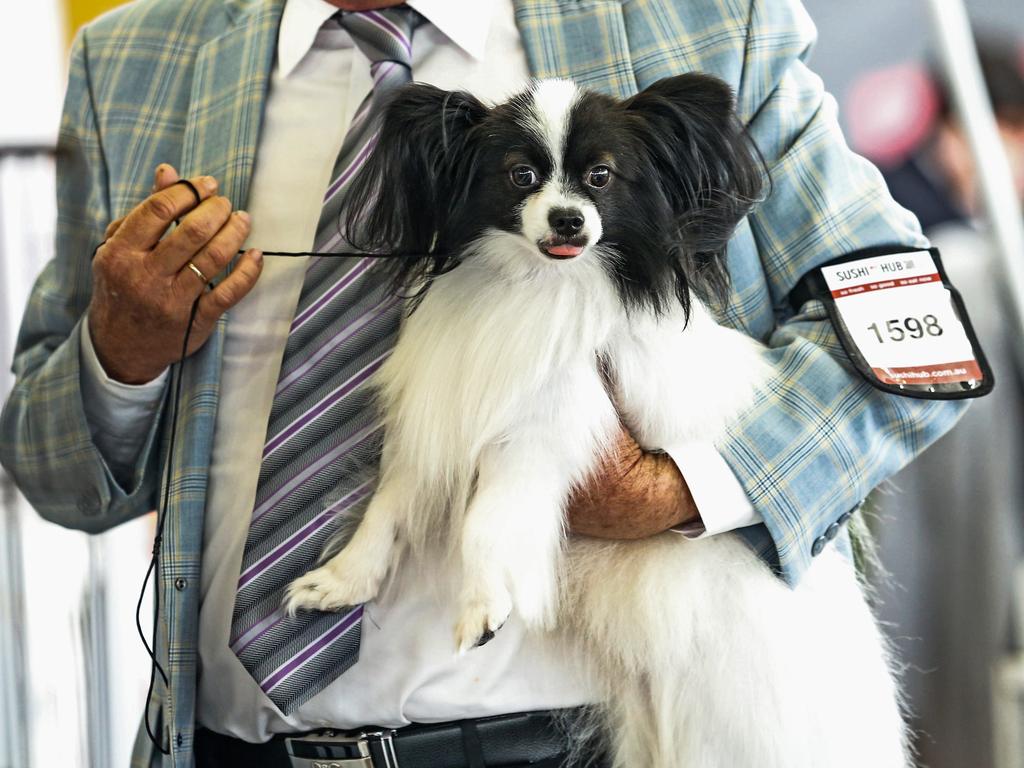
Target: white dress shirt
<point>407,670</point>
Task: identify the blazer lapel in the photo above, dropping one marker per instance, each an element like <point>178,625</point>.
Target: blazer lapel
<point>584,42</point>
<point>229,92</point>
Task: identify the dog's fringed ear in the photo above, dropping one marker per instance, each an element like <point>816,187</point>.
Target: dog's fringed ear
<point>399,202</point>
<point>710,170</point>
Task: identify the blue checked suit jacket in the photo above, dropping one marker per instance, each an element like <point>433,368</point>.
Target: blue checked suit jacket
<point>184,81</point>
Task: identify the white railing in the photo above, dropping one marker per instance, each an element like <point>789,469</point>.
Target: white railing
<point>72,672</point>
<point>1003,211</point>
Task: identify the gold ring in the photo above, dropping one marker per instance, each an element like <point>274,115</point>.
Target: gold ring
<point>199,272</point>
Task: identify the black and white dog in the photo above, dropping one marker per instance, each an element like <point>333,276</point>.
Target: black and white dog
<point>561,228</point>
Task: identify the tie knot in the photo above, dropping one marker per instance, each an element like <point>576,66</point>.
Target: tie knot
<point>384,34</point>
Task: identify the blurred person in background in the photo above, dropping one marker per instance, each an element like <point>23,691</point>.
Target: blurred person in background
<point>937,180</point>
<point>950,524</point>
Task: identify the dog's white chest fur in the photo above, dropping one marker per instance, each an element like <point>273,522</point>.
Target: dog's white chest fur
<point>495,408</point>
<point>459,382</point>
<point>484,362</point>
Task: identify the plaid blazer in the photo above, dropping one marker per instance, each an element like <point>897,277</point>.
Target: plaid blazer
<point>184,81</point>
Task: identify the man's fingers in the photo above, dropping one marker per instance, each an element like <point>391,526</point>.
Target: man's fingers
<point>112,227</point>
<point>216,254</point>
<point>148,221</point>
<point>164,176</point>
<point>194,231</point>
<point>232,289</point>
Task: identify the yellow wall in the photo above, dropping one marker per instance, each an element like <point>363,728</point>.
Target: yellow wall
<point>78,12</point>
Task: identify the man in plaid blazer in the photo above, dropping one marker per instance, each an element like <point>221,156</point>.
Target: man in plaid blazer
<point>185,82</point>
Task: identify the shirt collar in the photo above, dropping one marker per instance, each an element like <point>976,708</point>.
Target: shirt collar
<point>465,24</point>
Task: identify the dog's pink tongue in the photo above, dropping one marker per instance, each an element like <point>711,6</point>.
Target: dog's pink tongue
<point>564,251</point>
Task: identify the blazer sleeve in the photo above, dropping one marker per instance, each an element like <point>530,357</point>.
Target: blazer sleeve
<point>821,438</point>
<point>45,441</point>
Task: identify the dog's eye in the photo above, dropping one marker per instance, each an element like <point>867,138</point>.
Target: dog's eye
<point>599,176</point>
<point>523,176</point>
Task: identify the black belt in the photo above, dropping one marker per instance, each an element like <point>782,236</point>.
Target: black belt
<point>526,739</point>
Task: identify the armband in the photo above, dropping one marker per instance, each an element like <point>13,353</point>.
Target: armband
<point>901,322</point>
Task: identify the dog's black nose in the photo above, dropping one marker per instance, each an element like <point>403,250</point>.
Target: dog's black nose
<point>566,221</point>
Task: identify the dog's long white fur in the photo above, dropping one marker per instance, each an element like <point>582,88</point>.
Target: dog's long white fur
<point>495,408</point>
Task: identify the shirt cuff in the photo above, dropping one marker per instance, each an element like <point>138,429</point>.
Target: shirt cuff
<point>119,415</point>
<point>720,499</point>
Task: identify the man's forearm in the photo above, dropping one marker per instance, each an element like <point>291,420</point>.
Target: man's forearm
<point>46,446</point>
<point>120,416</point>
<point>632,494</point>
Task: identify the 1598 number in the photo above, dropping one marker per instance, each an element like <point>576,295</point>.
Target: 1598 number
<point>908,328</point>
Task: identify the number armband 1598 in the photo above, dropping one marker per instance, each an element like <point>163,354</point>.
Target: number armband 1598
<point>902,323</point>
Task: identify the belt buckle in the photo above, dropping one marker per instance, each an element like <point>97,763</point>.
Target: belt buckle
<point>331,749</point>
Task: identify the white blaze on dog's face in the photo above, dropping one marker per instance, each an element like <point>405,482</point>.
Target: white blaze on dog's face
<point>561,182</point>
<point>558,217</point>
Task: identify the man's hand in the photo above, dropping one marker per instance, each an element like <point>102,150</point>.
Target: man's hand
<point>143,288</point>
<point>631,495</point>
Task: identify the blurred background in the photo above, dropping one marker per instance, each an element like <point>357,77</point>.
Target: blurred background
<point>950,589</point>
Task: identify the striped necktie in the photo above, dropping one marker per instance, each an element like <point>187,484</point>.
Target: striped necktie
<point>322,423</point>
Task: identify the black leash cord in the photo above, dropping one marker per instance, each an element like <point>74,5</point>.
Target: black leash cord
<point>329,253</point>
<point>154,563</point>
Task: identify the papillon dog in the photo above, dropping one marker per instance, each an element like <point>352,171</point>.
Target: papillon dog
<point>550,245</point>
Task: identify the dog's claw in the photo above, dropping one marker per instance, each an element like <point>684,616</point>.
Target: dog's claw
<point>485,638</point>
<point>480,621</point>
<point>488,635</point>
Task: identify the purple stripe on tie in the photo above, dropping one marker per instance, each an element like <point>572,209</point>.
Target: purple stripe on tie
<point>304,474</point>
<point>354,166</point>
<point>300,536</point>
<point>389,27</point>
<point>311,650</point>
<point>361,113</point>
<point>257,630</point>
<point>266,624</point>
<point>380,70</point>
<point>336,237</point>
<point>335,396</point>
<point>343,282</point>
<point>282,549</point>
<point>333,342</point>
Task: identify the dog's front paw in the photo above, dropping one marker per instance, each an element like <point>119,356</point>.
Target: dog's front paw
<point>329,588</point>
<point>480,618</point>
